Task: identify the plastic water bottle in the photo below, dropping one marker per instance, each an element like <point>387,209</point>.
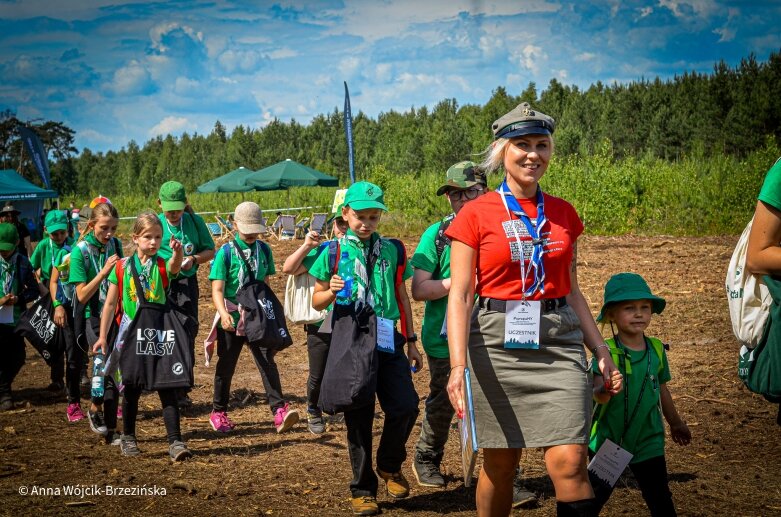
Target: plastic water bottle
<point>97,375</point>
<point>347,272</point>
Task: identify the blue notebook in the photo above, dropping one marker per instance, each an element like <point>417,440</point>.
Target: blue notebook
<point>467,433</point>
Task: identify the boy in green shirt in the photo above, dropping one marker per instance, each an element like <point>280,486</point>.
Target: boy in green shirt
<point>363,208</point>
<point>17,288</point>
<point>228,275</point>
<point>43,261</point>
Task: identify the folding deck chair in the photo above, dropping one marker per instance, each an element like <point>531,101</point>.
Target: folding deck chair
<point>318,223</point>
<point>287,227</point>
<point>301,227</point>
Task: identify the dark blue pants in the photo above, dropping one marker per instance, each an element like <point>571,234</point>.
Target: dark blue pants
<point>12,358</point>
<point>399,401</point>
<point>317,346</point>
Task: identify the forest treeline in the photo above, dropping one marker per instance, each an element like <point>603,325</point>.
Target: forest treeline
<point>730,111</point>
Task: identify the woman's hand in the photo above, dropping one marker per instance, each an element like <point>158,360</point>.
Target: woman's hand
<point>175,244</point>
<point>312,239</point>
<point>60,317</point>
<point>455,389</point>
<point>100,346</point>
<point>336,284</point>
<point>105,271</point>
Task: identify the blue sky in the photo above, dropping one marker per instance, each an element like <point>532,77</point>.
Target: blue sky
<point>116,71</point>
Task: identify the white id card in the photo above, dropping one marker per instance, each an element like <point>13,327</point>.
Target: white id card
<point>522,324</point>
<point>385,338</point>
<point>609,462</point>
<point>443,330</point>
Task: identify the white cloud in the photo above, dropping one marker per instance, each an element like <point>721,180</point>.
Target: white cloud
<point>531,58</point>
<point>348,66</point>
<point>171,125</point>
<point>726,34</point>
<point>643,12</point>
<point>562,74</point>
<point>132,79</point>
<point>585,56</point>
<point>282,53</point>
<point>382,72</point>
<point>158,32</point>
<point>691,8</point>
<point>240,61</point>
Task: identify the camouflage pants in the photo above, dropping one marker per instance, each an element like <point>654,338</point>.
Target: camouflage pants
<point>438,413</point>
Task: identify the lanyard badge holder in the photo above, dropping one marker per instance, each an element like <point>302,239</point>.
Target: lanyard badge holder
<point>522,318</point>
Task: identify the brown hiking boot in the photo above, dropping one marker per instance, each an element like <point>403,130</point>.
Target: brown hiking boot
<point>365,505</point>
<point>395,484</point>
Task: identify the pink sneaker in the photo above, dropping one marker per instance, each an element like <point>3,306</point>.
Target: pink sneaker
<point>74,412</point>
<point>220,422</point>
<point>119,411</point>
<point>285,418</point>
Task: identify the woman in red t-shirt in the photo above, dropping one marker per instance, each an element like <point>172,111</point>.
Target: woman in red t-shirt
<point>525,336</point>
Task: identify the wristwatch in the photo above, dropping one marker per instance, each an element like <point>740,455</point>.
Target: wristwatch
<point>412,338</point>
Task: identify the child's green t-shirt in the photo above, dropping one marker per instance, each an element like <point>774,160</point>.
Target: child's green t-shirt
<point>382,296</point>
<point>43,258</point>
<point>192,233</point>
<point>645,438</point>
<point>771,188</point>
<point>151,281</point>
<point>425,258</point>
<point>237,274</point>
<point>81,271</point>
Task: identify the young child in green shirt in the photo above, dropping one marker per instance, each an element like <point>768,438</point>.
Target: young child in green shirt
<point>228,275</point>
<point>43,262</point>
<point>17,288</point>
<point>632,418</point>
<point>363,208</point>
<point>147,236</point>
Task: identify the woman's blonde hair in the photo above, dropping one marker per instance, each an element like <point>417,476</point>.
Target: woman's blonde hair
<point>494,154</point>
<point>145,221</point>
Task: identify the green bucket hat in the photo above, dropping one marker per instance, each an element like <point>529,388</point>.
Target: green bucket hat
<point>462,175</point>
<point>9,237</point>
<point>629,286</point>
<point>364,195</point>
<point>172,196</point>
<point>56,220</point>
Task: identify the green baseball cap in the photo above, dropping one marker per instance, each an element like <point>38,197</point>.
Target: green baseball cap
<point>172,196</point>
<point>461,176</point>
<point>364,195</point>
<point>629,286</point>
<point>523,120</point>
<point>9,237</point>
<point>55,221</point>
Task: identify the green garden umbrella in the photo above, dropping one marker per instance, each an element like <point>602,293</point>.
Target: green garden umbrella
<point>234,181</point>
<point>288,173</point>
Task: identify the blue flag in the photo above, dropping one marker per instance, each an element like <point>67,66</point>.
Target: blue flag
<point>348,132</point>
<point>38,155</point>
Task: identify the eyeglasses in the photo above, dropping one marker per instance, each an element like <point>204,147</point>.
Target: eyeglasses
<point>467,194</point>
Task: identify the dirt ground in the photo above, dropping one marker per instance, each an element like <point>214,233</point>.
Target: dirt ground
<point>732,467</point>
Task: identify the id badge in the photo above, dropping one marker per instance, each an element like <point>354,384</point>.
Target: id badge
<point>385,338</point>
<point>609,462</point>
<point>522,324</point>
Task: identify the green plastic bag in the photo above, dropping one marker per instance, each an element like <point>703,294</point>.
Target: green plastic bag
<point>760,367</point>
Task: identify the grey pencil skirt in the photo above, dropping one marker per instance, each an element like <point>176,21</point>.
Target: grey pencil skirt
<point>529,398</point>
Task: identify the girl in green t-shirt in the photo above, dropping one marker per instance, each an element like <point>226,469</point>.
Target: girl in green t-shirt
<point>89,266</point>
<point>631,418</point>
<point>147,236</point>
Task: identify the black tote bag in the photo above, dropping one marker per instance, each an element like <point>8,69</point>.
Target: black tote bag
<point>350,377</point>
<point>36,324</point>
<point>264,317</point>
<point>155,351</point>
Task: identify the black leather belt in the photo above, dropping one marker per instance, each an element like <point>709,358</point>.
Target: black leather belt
<point>311,329</point>
<point>548,304</point>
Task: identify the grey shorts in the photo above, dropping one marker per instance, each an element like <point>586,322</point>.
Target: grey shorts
<point>529,398</point>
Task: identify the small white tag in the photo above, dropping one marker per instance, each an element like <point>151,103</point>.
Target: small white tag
<point>385,338</point>
<point>522,324</point>
<point>443,330</point>
<point>609,462</point>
